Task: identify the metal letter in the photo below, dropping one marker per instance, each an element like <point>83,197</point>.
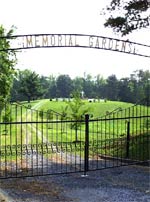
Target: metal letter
<point>104,43</point>
<point>97,43</point>
<point>29,41</point>
<point>110,44</point>
<point>70,41</point>
<point>76,44</point>
<point>44,40</point>
<point>53,40</point>
<point>37,41</point>
<point>123,49</point>
<point>59,40</point>
<point>117,45</point>
<point>91,41</point>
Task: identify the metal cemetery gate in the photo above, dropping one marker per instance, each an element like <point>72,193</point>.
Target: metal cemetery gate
<point>34,143</point>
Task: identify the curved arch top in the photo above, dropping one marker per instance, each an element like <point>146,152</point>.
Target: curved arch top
<point>19,42</point>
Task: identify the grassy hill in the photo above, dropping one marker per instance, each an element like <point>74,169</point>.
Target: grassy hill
<point>97,109</point>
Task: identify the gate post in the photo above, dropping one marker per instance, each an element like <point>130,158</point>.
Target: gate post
<point>86,148</point>
<point>128,139</point>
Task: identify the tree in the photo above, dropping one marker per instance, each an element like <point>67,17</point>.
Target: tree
<point>44,86</point>
<point>88,86</point>
<point>7,63</point>
<point>128,15</point>
<point>135,88</point>
<point>140,80</point>
<point>77,111</point>
<point>52,87</point>
<point>100,84</point>
<point>144,85</point>
<point>124,92</point>
<point>30,85</point>
<point>78,84</point>
<point>64,86</point>
<point>112,87</point>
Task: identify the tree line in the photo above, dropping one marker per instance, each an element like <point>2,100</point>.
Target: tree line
<point>28,85</point>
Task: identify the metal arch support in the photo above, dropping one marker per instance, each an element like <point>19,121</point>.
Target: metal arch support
<point>21,42</point>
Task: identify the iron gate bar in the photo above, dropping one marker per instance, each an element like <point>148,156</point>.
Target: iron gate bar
<point>47,147</point>
<point>73,121</point>
<point>86,152</point>
<point>128,140</point>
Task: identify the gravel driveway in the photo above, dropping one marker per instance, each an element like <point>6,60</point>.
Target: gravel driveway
<point>124,184</point>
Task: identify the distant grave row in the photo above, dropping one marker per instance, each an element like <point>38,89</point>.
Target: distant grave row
<point>71,99</point>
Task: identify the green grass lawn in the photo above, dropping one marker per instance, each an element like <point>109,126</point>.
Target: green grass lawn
<point>104,133</point>
<point>97,109</point>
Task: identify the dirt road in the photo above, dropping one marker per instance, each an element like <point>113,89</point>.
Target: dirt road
<point>125,184</point>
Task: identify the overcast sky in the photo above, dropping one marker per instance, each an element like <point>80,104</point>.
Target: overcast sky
<point>69,16</point>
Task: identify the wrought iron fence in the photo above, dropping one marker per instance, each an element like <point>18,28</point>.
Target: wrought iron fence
<point>34,143</point>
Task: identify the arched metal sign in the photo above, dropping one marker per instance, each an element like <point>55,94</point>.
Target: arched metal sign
<point>19,42</point>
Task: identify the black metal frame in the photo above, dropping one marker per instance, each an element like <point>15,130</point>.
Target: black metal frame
<point>70,40</point>
<point>31,144</point>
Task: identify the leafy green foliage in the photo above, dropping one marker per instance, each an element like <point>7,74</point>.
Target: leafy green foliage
<point>129,15</point>
<point>49,115</point>
<point>30,85</point>
<point>132,89</point>
<point>7,116</point>
<point>7,63</point>
<point>64,86</point>
<point>64,112</point>
<point>77,111</point>
<point>76,107</point>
